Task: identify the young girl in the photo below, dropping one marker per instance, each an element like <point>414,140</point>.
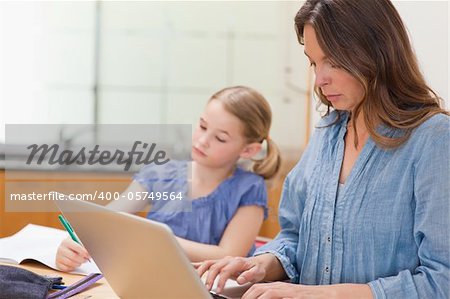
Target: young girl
<point>228,203</point>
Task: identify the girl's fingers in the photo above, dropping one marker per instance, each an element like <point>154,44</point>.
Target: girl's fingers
<point>75,247</point>
<point>70,255</point>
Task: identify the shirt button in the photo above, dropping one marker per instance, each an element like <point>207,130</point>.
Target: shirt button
<point>329,239</point>
<point>327,269</point>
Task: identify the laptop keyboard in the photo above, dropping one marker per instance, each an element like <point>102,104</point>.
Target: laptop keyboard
<point>215,296</point>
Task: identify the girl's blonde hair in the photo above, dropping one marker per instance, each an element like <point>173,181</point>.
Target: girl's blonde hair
<point>254,111</point>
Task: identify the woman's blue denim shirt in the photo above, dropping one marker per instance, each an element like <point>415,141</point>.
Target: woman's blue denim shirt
<point>390,226</point>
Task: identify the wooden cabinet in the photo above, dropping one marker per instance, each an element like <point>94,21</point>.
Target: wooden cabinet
<point>271,226</point>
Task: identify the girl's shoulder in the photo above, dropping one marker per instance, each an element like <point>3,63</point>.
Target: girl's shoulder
<point>245,177</point>
<point>240,183</point>
<point>244,183</point>
<point>241,189</point>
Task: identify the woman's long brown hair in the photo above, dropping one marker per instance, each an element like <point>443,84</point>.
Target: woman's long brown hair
<point>368,39</point>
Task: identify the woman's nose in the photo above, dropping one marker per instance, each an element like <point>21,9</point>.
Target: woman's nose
<point>322,77</point>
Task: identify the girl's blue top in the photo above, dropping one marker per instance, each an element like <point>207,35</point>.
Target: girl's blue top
<point>388,225</point>
<point>202,219</point>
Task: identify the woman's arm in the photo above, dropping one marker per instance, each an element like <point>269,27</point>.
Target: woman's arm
<point>430,279</point>
<point>237,239</point>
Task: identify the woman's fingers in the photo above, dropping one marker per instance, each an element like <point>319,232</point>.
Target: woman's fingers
<point>214,269</point>
<point>245,269</point>
<point>255,273</point>
<point>202,267</point>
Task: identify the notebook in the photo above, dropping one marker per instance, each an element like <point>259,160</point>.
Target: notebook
<point>138,257</point>
<point>39,243</point>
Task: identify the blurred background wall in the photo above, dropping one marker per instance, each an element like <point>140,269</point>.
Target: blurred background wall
<point>158,62</point>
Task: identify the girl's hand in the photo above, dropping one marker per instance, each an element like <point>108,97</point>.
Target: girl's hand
<point>242,269</point>
<point>70,255</point>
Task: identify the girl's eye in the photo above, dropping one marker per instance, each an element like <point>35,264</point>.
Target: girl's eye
<point>220,139</point>
<point>312,64</point>
<point>203,128</point>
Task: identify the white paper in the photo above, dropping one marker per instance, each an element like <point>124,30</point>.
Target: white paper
<point>38,243</point>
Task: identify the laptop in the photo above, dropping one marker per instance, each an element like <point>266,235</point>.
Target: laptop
<point>138,257</point>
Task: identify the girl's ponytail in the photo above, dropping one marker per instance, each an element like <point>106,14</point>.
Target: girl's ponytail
<point>270,164</point>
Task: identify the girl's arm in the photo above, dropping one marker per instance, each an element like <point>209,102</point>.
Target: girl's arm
<point>237,239</point>
<point>123,204</point>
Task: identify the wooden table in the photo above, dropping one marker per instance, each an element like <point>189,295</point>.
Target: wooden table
<point>100,290</point>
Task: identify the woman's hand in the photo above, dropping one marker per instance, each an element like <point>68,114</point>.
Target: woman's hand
<point>286,290</point>
<point>280,290</point>
<point>70,255</point>
<point>267,267</point>
<point>242,269</point>
<point>298,291</point>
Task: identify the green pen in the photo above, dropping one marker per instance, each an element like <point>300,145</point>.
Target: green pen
<point>69,229</point>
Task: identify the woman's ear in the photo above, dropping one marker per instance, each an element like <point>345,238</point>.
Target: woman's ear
<point>250,150</point>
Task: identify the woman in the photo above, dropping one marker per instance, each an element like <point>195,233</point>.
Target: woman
<point>366,212</point>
